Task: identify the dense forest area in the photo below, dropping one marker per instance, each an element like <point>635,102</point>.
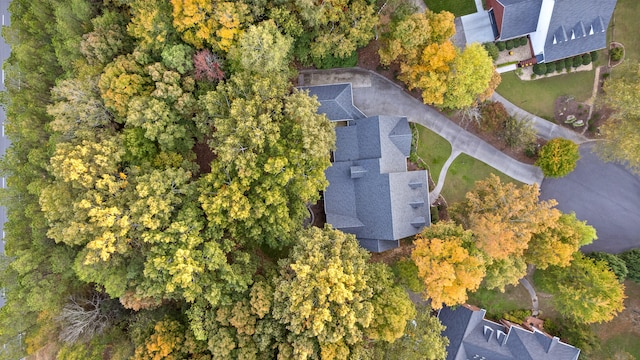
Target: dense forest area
<point>160,170</point>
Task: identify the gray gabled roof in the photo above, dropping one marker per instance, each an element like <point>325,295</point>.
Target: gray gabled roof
<point>520,17</point>
<point>336,101</point>
<point>577,27</point>
<point>371,194</point>
<point>471,336</point>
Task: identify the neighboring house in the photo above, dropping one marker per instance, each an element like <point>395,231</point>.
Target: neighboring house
<point>472,337</point>
<point>557,29</point>
<point>371,194</point>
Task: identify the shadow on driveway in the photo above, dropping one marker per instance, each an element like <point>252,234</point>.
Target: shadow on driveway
<point>607,195</point>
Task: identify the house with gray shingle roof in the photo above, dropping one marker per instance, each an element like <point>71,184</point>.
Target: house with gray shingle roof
<point>471,336</point>
<point>371,194</point>
<point>557,29</point>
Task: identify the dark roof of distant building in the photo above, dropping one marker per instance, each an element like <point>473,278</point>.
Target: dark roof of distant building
<point>471,336</point>
<point>520,17</point>
<point>336,101</point>
<point>577,27</point>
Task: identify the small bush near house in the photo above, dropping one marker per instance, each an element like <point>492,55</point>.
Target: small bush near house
<point>594,56</point>
<point>551,68</point>
<point>568,63</point>
<point>559,65</point>
<point>632,259</point>
<point>540,69</point>
<point>558,157</point>
<point>509,44</point>
<point>617,265</point>
<point>586,59</point>
<point>517,316</point>
<point>435,217</point>
<point>501,45</point>
<point>492,49</point>
<point>522,41</point>
<point>616,53</point>
<point>577,61</point>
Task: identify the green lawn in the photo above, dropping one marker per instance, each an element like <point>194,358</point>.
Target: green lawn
<point>457,7</point>
<point>497,303</point>
<point>538,96</point>
<point>462,175</point>
<point>627,342</point>
<point>433,149</point>
<point>625,29</point>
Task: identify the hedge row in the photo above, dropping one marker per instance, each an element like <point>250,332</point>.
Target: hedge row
<point>568,63</point>
<point>510,44</point>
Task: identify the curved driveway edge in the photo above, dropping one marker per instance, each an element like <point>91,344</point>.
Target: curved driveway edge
<point>377,95</point>
<point>606,195</point>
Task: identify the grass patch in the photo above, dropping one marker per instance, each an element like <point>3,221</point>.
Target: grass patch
<point>463,174</point>
<point>497,303</point>
<point>625,30</point>
<point>433,149</point>
<point>538,96</point>
<point>617,345</point>
<point>457,7</point>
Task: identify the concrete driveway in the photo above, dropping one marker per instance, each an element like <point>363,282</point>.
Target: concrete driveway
<point>606,195</point>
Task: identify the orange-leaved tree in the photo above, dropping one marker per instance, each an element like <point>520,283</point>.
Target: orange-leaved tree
<point>448,263</point>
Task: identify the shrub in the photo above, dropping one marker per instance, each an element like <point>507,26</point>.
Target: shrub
<point>632,259</point>
<point>493,116</point>
<point>518,132</point>
<point>594,56</point>
<point>501,45</point>
<point>406,273</point>
<point>551,68</point>
<point>540,69</point>
<point>568,63</point>
<point>577,61</point>
<point>617,265</point>
<point>522,41</point>
<point>531,150</point>
<point>329,61</point>
<point>558,157</point>
<point>616,54</point>
<point>492,49</point>
<point>434,214</point>
<point>586,59</point>
<point>517,316</point>
<point>509,44</point>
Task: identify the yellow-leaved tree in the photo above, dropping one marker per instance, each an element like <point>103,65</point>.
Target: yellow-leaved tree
<point>448,263</point>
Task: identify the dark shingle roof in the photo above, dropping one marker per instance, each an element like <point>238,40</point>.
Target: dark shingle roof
<point>520,17</point>
<point>371,194</point>
<point>471,336</point>
<point>336,101</point>
<point>577,27</point>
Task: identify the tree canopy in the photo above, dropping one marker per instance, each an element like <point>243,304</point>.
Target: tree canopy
<point>587,291</point>
<point>429,61</point>
<point>622,131</point>
<point>558,157</point>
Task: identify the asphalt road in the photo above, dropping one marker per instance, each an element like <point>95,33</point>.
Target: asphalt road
<point>606,195</point>
<point>5,50</point>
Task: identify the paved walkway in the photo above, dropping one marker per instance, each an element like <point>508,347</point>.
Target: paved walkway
<point>433,195</point>
<point>546,129</point>
<point>532,292</point>
<point>374,94</point>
